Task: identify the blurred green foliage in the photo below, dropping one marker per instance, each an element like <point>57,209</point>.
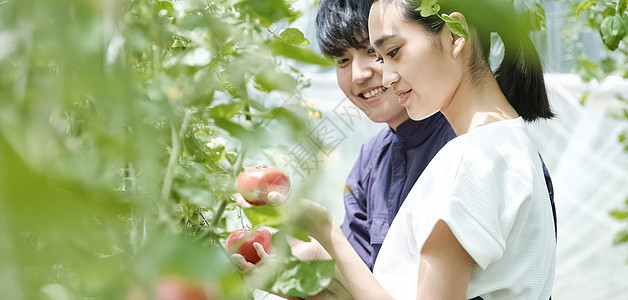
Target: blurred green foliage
<point>609,18</point>
<point>123,125</point>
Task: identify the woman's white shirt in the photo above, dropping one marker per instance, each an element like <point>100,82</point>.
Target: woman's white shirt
<point>488,186</point>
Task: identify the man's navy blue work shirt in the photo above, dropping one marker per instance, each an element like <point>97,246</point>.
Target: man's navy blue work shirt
<point>388,166</point>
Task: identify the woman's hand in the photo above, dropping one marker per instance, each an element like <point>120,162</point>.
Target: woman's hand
<point>239,199</point>
<point>309,216</point>
<point>245,265</point>
<point>304,251</point>
<point>314,219</point>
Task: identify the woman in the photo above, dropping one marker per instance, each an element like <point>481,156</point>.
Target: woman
<point>478,223</point>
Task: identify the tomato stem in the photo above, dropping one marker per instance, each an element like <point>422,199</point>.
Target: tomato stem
<point>174,155</point>
<point>219,212</point>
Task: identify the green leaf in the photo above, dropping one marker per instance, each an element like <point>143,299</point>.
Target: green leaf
<point>233,83</point>
<point>194,195</point>
<point>621,237</point>
<point>428,8</point>
<point>266,215</point>
<point>280,243</point>
<point>225,111</point>
<point>621,138</point>
<point>171,256</point>
<point>286,115</point>
<point>584,6</point>
<point>621,6</point>
<point>299,54</point>
<point>193,21</point>
<point>304,278</point>
<point>257,106</point>
<point>267,11</point>
<point>270,80</point>
<point>56,292</point>
<point>585,97</point>
<point>455,26</point>
<point>613,31</point>
<point>301,235</point>
<point>293,36</point>
<point>608,65</point>
<point>587,69</point>
<point>619,215</point>
<point>257,137</point>
<point>536,17</point>
<point>166,5</point>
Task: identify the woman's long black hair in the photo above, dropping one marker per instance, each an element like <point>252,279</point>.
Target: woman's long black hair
<point>520,74</point>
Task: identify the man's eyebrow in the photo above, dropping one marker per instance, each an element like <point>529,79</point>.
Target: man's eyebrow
<point>381,40</point>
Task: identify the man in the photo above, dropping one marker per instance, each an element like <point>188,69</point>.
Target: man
<point>390,162</point>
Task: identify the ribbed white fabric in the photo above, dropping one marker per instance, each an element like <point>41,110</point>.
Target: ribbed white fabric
<point>488,186</point>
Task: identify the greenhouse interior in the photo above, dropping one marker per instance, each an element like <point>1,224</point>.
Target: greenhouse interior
<point>126,125</point>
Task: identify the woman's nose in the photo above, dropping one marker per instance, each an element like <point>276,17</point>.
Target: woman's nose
<point>389,77</point>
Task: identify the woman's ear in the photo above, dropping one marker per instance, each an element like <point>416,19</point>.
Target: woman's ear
<point>458,42</point>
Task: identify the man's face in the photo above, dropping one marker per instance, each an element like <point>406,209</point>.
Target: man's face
<point>359,76</point>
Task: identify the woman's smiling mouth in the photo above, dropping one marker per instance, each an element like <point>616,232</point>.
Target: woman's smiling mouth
<point>403,96</point>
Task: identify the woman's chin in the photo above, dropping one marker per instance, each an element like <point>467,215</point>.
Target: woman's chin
<point>418,115</point>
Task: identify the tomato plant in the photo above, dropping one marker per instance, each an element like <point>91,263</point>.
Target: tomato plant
<point>123,127</point>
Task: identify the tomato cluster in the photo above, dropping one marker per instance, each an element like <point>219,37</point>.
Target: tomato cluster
<point>258,185</point>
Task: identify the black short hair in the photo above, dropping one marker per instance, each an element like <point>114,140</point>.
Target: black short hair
<point>342,24</point>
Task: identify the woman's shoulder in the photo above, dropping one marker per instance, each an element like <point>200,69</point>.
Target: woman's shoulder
<point>498,139</point>
<point>484,150</point>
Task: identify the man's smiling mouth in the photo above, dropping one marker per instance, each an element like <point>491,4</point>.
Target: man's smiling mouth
<point>372,93</point>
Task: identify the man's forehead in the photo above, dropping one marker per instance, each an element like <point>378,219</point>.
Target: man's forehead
<point>367,46</point>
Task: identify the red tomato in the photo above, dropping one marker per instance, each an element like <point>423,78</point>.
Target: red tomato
<point>247,250</point>
<point>254,183</point>
<point>175,288</point>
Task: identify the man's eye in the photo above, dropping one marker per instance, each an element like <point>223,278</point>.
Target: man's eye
<point>370,51</point>
<point>342,61</point>
<point>392,52</point>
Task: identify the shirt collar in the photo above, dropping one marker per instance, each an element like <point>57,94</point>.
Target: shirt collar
<point>413,133</point>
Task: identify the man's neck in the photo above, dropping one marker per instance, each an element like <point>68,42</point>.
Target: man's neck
<point>393,124</point>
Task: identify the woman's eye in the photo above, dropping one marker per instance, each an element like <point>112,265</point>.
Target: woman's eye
<point>392,52</point>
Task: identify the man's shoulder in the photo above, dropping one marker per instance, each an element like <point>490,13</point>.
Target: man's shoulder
<point>372,149</point>
<point>375,143</point>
